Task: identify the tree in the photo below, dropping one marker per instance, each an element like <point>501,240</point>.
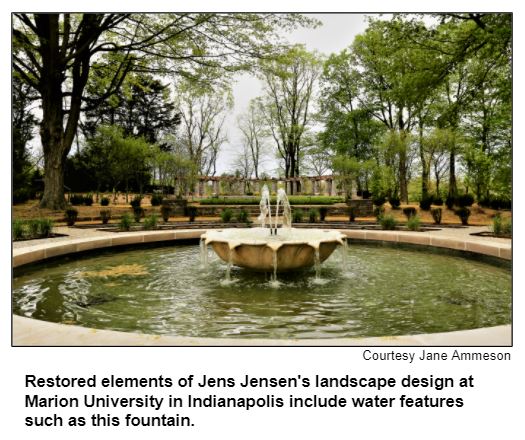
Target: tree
<point>142,107</point>
<point>23,123</point>
<point>54,54</point>
<point>289,85</point>
<point>254,133</point>
<point>202,113</point>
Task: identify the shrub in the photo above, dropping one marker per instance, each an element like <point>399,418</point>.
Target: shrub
<point>351,214</point>
<point>18,229</point>
<point>465,200</point>
<point>156,199</point>
<point>450,201</point>
<point>379,200</point>
<point>76,199</point>
<point>88,200</point>
<point>135,203</point>
<point>242,216</point>
<point>138,212</point>
<point>379,211</point>
<point>226,215</point>
<point>150,222</point>
<point>33,227</point>
<point>45,227</point>
<point>409,211</point>
<point>463,213</point>
<point>414,223</point>
<point>322,213</point>
<point>426,202</point>
<point>366,194</point>
<point>495,203</point>
<point>436,215</point>
<point>104,201</point>
<point>71,216</point>
<point>192,213</point>
<point>297,215</point>
<point>387,222</point>
<point>395,202</point>
<point>165,212</point>
<point>125,222</point>
<point>437,200</point>
<point>506,227</point>
<point>105,215</point>
<point>294,200</point>
<point>313,215</point>
<point>496,225</point>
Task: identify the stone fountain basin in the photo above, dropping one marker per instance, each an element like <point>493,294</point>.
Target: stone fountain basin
<point>255,248</point>
<point>259,257</point>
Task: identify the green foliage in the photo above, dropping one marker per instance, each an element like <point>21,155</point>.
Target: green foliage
<point>104,201</point>
<point>226,215</point>
<point>387,222</point>
<point>76,199</point>
<point>436,215</point>
<point>463,213</point>
<point>71,216</point>
<point>45,227</point>
<point>379,199</point>
<point>379,211</point>
<point>465,200</point>
<point>437,200</point>
<point>409,211</point>
<point>297,215</point>
<point>294,200</point>
<point>165,212</point>
<point>395,202</point>
<point>313,215</point>
<point>88,200</point>
<point>426,202</point>
<point>125,222</point>
<point>322,213</point>
<point>414,223</point>
<point>501,227</point>
<point>150,222</point>
<point>242,216</point>
<point>32,229</point>
<point>18,229</point>
<point>138,212</point>
<point>136,202</point>
<point>156,199</point>
<point>192,212</point>
<point>105,216</point>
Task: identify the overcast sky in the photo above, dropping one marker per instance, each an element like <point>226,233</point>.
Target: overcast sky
<point>336,33</point>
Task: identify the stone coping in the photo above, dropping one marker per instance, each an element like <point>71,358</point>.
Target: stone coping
<point>32,332</point>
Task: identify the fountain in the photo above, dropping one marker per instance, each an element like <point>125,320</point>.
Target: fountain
<point>269,248</point>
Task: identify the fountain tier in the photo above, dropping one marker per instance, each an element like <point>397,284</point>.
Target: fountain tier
<point>290,249</point>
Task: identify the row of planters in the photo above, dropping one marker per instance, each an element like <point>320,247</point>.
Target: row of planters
<point>31,229</point>
<point>413,223</point>
<point>87,200</point>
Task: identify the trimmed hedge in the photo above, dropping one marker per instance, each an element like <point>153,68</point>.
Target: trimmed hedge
<point>294,200</point>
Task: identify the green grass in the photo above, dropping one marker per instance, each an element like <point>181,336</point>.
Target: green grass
<point>294,200</point>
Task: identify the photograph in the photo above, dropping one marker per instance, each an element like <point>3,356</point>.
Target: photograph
<point>243,179</point>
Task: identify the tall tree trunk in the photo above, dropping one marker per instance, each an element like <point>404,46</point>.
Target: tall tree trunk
<point>403,184</point>
<point>51,128</point>
<point>452,186</point>
<point>425,166</point>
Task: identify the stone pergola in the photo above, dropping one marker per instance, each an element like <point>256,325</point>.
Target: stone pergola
<point>237,186</point>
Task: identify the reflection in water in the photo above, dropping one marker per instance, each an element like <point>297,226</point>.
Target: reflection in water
<point>379,291</point>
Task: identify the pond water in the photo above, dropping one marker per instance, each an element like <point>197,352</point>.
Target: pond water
<point>383,290</point>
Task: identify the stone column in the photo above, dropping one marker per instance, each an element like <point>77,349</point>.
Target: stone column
<point>329,185</point>
<point>315,187</point>
<point>216,187</point>
<point>274,186</point>
<point>201,188</point>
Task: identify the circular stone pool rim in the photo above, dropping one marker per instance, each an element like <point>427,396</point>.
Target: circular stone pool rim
<point>32,332</point>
